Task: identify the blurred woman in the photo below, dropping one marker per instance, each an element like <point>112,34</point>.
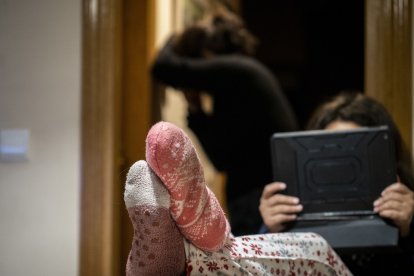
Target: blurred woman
<point>215,56</point>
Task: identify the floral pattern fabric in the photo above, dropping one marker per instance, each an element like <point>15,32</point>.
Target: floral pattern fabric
<point>285,254</point>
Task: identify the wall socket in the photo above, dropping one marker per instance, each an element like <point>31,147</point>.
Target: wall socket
<point>14,145</point>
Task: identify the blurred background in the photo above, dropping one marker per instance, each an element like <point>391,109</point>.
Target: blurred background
<point>76,102</point>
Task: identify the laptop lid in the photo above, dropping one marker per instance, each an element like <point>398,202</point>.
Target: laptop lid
<point>334,173</point>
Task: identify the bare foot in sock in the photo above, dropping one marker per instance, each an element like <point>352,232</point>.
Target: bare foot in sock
<point>199,216</point>
<point>158,245</point>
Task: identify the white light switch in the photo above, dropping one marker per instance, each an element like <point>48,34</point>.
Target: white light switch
<point>14,144</point>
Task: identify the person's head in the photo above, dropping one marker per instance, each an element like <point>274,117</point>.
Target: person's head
<point>352,109</point>
<point>221,32</point>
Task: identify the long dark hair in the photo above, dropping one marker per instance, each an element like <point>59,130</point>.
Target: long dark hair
<point>358,108</point>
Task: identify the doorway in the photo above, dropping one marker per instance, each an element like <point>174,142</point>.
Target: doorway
<point>314,48</point>
<point>387,77</point>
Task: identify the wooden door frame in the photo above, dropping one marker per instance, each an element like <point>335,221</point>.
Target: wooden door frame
<point>388,62</point>
<point>117,45</point>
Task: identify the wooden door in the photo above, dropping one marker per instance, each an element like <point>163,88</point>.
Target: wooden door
<point>388,64</point>
<point>116,115</point>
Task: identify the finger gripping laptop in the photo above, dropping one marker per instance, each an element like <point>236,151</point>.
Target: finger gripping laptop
<point>337,175</point>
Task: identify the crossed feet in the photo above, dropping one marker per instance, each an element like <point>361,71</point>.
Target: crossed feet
<point>168,200</point>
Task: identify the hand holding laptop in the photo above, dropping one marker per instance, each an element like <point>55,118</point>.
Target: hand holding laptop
<point>337,175</point>
<point>278,209</point>
<point>397,204</point>
<point>330,183</point>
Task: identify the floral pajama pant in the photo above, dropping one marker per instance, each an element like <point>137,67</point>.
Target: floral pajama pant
<point>269,254</point>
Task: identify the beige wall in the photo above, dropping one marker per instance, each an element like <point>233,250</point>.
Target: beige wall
<point>40,91</point>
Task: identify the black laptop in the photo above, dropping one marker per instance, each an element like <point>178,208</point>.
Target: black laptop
<point>338,175</point>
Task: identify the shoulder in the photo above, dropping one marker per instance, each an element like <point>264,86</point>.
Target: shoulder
<point>242,62</point>
<point>245,66</point>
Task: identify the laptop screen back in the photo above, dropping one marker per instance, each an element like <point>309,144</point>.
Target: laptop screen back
<point>335,172</point>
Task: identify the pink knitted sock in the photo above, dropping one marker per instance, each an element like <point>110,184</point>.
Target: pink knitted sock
<point>172,156</point>
<point>158,245</point>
